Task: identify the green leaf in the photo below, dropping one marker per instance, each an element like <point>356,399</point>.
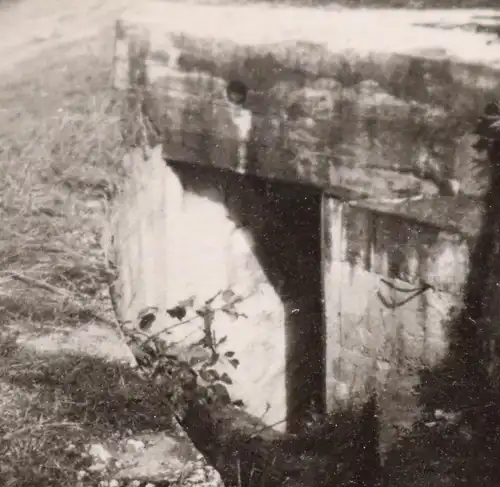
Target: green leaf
<point>146,321</point>
<point>146,311</point>
<point>234,362</point>
<point>178,312</point>
<point>229,354</point>
<point>226,379</point>
<point>239,403</point>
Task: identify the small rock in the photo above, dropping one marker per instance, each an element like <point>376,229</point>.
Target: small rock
<point>309,122</point>
<point>199,473</point>
<point>103,483</point>
<point>70,448</point>
<point>197,478</point>
<point>149,485</point>
<point>81,474</point>
<point>99,453</point>
<point>134,446</point>
<point>450,417</point>
<point>162,458</point>
<point>326,84</point>
<point>114,483</point>
<point>97,467</point>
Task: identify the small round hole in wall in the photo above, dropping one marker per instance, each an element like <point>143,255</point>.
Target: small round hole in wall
<point>237,92</point>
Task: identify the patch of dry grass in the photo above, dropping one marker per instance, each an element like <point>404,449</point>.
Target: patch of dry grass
<point>59,158</point>
<point>59,155</point>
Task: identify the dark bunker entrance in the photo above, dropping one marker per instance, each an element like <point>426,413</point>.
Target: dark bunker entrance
<point>289,247</point>
<point>285,221</point>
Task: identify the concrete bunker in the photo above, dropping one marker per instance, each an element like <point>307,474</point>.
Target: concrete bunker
<point>323,191</point>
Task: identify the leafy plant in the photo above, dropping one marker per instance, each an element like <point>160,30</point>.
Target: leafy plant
<point>191,376</point>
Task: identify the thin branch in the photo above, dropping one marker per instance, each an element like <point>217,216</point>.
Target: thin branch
<point>269,426</point>
<point>61,292</point>
<point>189,320</point>
<point>37,283</point>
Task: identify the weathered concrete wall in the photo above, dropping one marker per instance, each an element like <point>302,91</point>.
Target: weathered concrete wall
<point>378,323</point>
<point>175,237</point>
<point>182,231</point>
<point>355,106</point>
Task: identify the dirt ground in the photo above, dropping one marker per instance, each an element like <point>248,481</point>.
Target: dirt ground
<point>31,28</point>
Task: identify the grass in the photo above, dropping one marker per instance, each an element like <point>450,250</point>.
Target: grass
<point>53,408</point>
<point>59,153</point>
<point>59,158</point>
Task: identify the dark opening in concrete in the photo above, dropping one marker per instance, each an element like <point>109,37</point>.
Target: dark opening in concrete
<point>284,221</point>
<point>295,231</point>
<point>289,247</point>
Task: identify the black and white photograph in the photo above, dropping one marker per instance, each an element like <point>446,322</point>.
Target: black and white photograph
<point>250,243</point>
